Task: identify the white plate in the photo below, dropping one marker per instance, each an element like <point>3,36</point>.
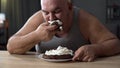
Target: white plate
<point>53,60</point>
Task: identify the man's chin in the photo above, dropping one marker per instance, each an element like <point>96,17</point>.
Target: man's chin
<point>60,34</point>
<point>57,35</point>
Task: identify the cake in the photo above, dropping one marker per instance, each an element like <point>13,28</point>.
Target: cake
<point>58,23</point>
<point>59,53</point>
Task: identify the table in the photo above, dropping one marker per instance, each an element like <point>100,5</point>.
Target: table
<point>31,60</point>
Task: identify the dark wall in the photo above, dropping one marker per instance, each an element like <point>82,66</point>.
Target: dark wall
<point>18,11</point>
<point>96,7</point>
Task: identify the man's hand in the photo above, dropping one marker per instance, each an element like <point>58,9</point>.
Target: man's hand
<point>45,32</point>
<point>85,53</point>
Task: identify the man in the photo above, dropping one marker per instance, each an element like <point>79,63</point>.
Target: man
<point>81,30</point>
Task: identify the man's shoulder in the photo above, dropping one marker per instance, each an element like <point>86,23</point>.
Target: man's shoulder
<point>85,15</point>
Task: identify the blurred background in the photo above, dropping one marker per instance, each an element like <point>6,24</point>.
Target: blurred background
<point>14,14</point>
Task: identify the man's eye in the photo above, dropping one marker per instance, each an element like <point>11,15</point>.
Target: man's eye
<point>57,11</point>
<point>46,13</point>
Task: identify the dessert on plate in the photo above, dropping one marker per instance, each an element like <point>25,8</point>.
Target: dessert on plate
<point>59,53</point>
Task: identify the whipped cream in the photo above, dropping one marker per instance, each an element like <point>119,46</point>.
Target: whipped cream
<point>59,51</point>
<point>58,22</point>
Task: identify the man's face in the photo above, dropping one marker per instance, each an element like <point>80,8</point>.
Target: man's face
<point>55,9</point>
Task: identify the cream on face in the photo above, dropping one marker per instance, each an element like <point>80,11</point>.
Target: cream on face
<point>58,23</point>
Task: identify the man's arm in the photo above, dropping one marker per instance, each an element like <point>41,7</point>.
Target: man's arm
<point>103,42</point>
<point>106,43</point>
<point>26,37</point>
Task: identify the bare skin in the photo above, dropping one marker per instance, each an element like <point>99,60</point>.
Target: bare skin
<point>103,43</point>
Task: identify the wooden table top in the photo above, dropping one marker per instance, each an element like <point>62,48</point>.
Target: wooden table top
<point>31,60</point>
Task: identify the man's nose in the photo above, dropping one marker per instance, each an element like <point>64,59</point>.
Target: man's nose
<point>52,17</point>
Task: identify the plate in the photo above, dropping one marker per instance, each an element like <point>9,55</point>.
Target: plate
<point>54,60</point>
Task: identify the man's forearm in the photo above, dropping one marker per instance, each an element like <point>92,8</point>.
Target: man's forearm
<point>21,44</point>
<point>108,48</point>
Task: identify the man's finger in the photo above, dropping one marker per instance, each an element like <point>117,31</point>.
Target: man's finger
<point>91,59</point>
<point>75,57</point>
<point>45,24</point>
<point>78,55</point>
<point>52,28</point>
<point>85,59</point>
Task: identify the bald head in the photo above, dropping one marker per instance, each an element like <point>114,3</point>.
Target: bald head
<point>69,1</point>
<point>66,0</point>
<point>45,4</point>
<point>57,1</point>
